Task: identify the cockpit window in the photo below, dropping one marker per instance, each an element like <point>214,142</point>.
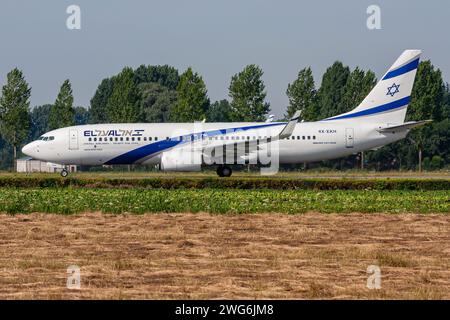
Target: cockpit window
<point>46,138</point>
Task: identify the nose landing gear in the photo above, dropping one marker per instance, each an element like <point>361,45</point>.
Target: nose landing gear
<point>224,171</point>
<point>64,173</point>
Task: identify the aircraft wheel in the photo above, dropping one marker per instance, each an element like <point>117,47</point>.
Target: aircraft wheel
<point>64,173</point>
<point>219,171</point>
<point>226,172</point>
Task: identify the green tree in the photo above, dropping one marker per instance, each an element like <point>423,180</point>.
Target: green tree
<point>122,104</point>
<point>428,94</point>
<point>302,95</point>
<point>446,108</point>
<point>247,93</point>
<point>97,110</point>
<point>62,112</point>
<point>358,86</point>
<point>39,120</point>
<point>14,111</point>
<point>156,102</point>
<point>427,102</point>
<point>219,111</point>
<point>193,102</point>
<point>81,115</point>
<point>331,92</point>
<point>5,155</point>
<point>165,76</point>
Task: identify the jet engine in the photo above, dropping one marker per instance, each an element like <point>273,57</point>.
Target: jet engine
<point>181,159</point>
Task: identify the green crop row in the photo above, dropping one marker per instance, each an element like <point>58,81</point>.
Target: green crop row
<point>74,200</point>
<point>229,183</point>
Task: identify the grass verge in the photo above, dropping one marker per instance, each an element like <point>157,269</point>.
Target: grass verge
<point>75,200</point>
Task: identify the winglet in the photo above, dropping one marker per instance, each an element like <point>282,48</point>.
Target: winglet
<point>290,126</point>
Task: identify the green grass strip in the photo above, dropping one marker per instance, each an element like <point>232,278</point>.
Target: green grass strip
<point>75,200</point>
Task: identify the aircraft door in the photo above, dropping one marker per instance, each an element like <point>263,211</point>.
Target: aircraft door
<point>349,138</point>
<point>73,139</point>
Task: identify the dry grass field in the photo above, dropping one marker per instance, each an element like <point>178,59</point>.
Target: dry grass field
<point>189,256</point>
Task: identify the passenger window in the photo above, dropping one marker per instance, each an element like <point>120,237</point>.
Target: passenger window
<point>90,139</point>
<point>314,137</point>
<point>128,139</point>
<point>116,139</point>
<point>121,138</point>
<point>298,137</point>
<point>303,137</point>
<point>156,138</point>
<point>95,139</point>
<point>149,138</point>
<point>132,139</point>
<point>309,137</point>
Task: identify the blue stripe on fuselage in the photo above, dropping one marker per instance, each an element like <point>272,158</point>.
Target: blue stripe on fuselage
<point>404,69</point>
<point>385,107</point>
<point>159,146</point>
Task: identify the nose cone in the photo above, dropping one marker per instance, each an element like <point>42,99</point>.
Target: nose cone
<point>28,149</point>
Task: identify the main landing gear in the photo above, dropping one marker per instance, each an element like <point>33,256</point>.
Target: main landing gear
<point>224,171</point>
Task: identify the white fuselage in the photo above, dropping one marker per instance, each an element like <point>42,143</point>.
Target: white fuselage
<point>376,121</point>
<point>145,143</point>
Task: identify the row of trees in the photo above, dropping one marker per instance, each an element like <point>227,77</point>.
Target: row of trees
<point>161,94</point>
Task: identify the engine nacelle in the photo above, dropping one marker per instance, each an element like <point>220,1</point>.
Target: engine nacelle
<point>181,159</point>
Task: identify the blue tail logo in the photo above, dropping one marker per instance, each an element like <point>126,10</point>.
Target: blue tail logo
<point>392,90</point>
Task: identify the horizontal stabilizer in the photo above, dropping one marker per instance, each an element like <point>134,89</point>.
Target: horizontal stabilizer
<point>405,126</point>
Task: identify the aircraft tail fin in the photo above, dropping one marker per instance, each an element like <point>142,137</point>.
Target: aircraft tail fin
<point>389,99</point>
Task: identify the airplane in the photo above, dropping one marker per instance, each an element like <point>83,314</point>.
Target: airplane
<point>378,120</point>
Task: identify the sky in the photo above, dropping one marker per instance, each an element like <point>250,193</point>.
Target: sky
<point>217,38</point>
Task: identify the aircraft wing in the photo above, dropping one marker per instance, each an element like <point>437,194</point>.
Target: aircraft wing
<point>285,132</point>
